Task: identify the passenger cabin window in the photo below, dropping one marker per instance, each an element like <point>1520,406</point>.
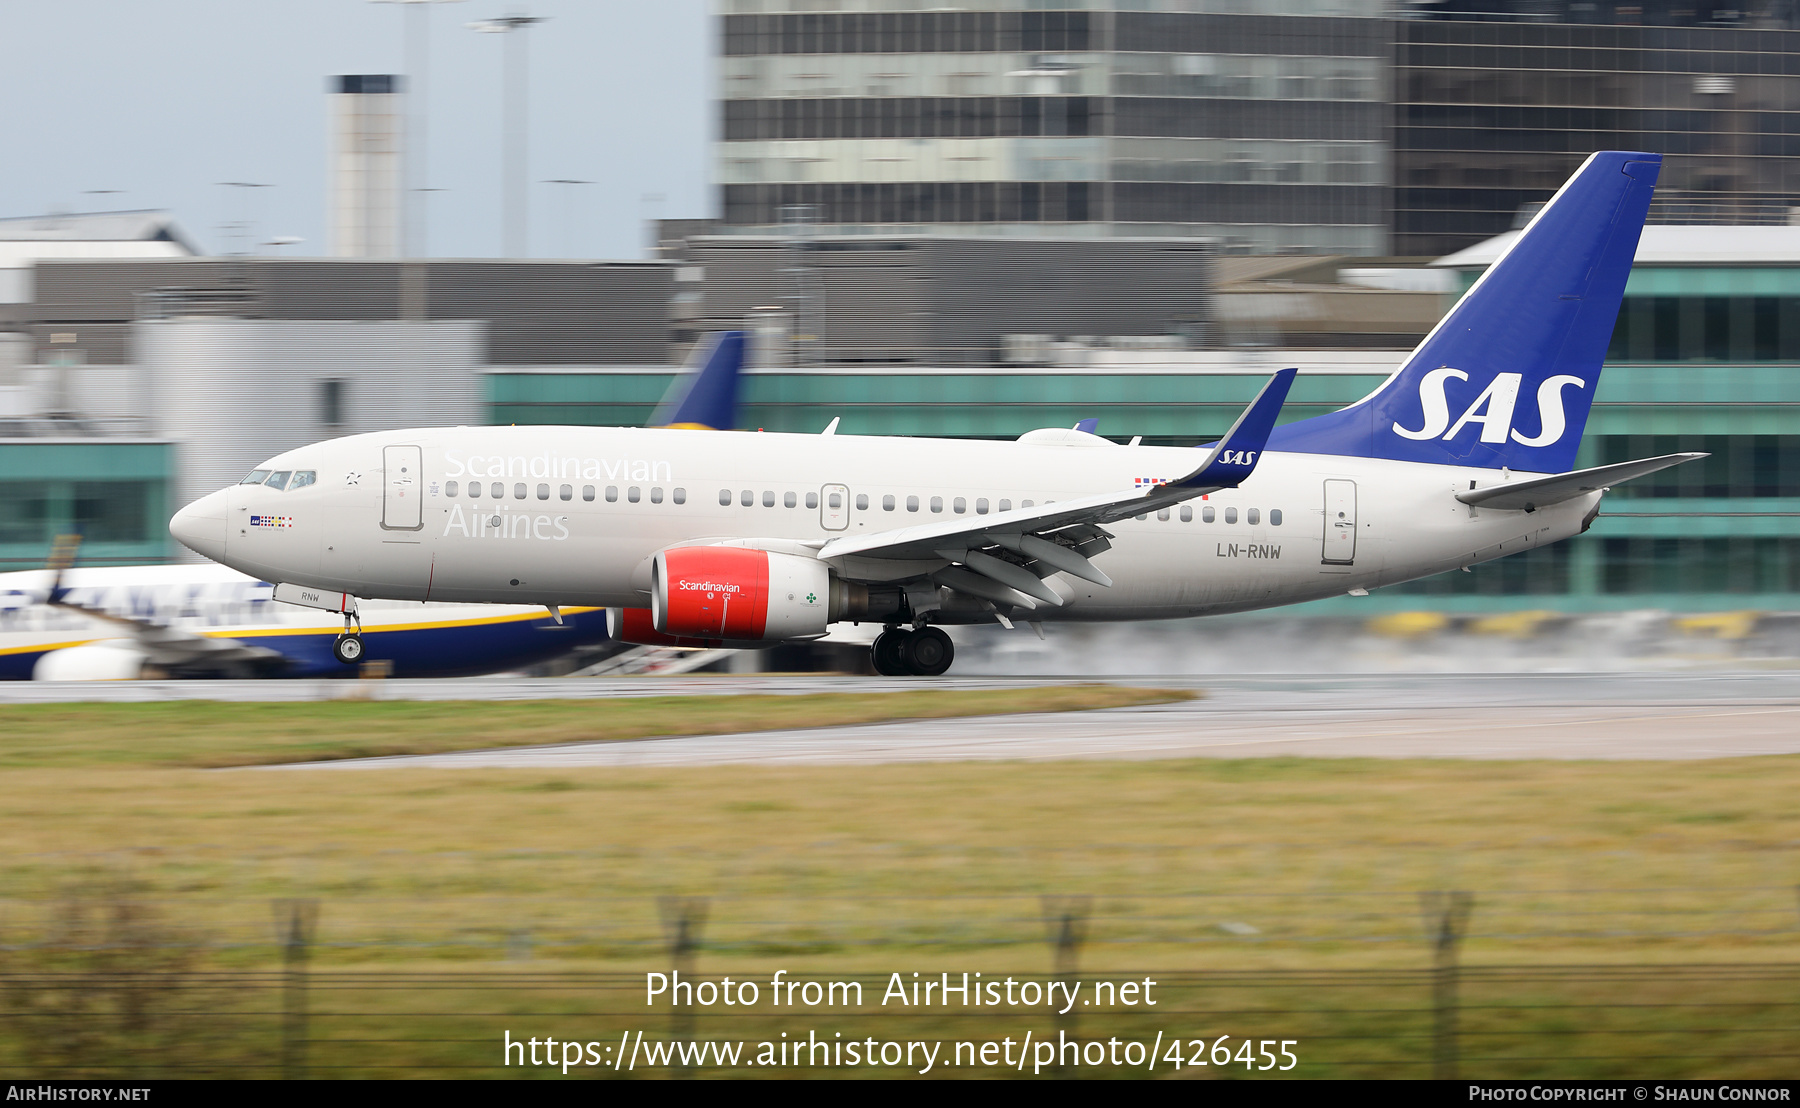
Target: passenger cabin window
<point>1231,515</point>
<point>981,506</point>
<point>912,503</point>
<point>1006,505</point>
<point>519,490</point>
<point>634,494</point>
<point>862,501</point>
<point>303,478</point>
<point>1274,517</point>
<point>1162,515</point>
<point>612,494</point>
<point>587,493</point>
<point>474,490</point>
<point>959,505</point>
<point>937,503</point>
<point>449,488</point>
<point>747,499</point>
<point>679,496</point>
<point>1253,516</point>
<point>656,494</point>
<point>279,479</point>
<point>567,492</point>
<point>543,492</point>
<point>887,503</point>
<point>812,500</point>
<point>255,477</point>
<point>790,500</point>
<point>768,498</point>
<point>497,490</point>
<point>1207,514</point>
<point>1025,503</point>
<point>724,497</point>
<point>1187,513</point>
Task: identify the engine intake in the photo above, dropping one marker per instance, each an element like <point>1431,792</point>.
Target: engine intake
<point>740,594</point>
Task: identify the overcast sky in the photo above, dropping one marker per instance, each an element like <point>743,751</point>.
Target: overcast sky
<point>163,99</point>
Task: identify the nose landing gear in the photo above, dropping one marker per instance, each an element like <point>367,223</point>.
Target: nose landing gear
<point>899,652</point>
<point>348,648</point>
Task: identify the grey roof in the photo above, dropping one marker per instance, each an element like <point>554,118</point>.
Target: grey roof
<point>141,226</point>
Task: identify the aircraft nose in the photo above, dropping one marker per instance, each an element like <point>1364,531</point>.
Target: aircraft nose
<point>201,526</point>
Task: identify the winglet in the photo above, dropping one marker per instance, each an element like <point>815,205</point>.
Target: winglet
<point>706,397</point>
<point>1090,425</point>
<point>62,556</point>
<point>1234,458</point>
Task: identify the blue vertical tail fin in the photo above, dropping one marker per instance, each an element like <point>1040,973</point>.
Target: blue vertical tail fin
<point>1507,378</point>
<point>706,397</point>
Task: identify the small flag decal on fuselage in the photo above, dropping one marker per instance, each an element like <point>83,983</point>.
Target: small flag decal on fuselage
<point>271,521</point>
<point>1145,482</point>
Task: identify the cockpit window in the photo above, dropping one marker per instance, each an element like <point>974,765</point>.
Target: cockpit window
<point>279,479</point>
<point>302,478</point>
<point>256,477</point>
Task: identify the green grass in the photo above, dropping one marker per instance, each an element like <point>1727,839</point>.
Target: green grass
<point>211,734</point>
<point>1292,886</point>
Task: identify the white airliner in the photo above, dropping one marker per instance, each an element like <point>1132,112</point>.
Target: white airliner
<point>1463,455</point>
<point>83,624</point>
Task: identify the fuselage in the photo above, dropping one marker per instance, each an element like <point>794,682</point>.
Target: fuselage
<point>217,602</point>
<point>573,516</point>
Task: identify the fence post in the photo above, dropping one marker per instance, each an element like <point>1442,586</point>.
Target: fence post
<point>1446,921</point>
<point>294,921</point>
<point>682,919</point>
<point>1065,922</point>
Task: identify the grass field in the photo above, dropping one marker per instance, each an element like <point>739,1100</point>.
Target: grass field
<point>528,879</point>
<point>212,734</point>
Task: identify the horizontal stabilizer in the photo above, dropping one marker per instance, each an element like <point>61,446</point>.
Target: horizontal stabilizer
<point>1541,492</point>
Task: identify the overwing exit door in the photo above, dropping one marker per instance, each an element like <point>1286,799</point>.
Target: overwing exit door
<point>834,507</point>
<point>1340,523</point>
<point>401,500</point>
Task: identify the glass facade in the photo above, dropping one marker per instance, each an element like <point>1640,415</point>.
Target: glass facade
<point>113,494</point>
<point>1490,116</point>
<point>1264,127</point>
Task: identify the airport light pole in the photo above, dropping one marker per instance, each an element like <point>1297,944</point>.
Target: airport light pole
<point>568,210</point>
<point>516,202</point>
<point>417,168</point>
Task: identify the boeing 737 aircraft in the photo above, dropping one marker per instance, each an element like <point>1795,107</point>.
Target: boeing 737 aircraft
<point>1463,455</point>
<point>208,620</point>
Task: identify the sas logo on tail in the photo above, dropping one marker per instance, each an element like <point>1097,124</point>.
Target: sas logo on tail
<point>1493,409</point>
<point>1238,458</point>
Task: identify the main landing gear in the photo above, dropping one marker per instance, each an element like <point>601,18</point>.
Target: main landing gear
<point>348,648</point>
<point>899,652</point>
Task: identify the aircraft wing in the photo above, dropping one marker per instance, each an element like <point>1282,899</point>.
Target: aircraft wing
<point>1541,492</point>
<point>1062,535</point>
<point>169,646</point>
<point>161,644</point>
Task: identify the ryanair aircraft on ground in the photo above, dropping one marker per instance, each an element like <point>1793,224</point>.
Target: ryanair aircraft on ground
<point>1462,456</point>
<point>62,624</point>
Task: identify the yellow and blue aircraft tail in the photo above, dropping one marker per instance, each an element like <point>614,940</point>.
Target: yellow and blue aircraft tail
<point>706,397</point>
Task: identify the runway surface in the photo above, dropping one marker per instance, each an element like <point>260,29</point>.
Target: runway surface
<point>1560,716</point>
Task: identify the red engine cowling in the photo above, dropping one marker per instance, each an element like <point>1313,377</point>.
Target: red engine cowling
<point>736,593</point>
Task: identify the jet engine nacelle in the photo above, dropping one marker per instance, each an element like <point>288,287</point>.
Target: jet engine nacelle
<point>738,593</point>
<point>97,661</point>
<point>635,625</point>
